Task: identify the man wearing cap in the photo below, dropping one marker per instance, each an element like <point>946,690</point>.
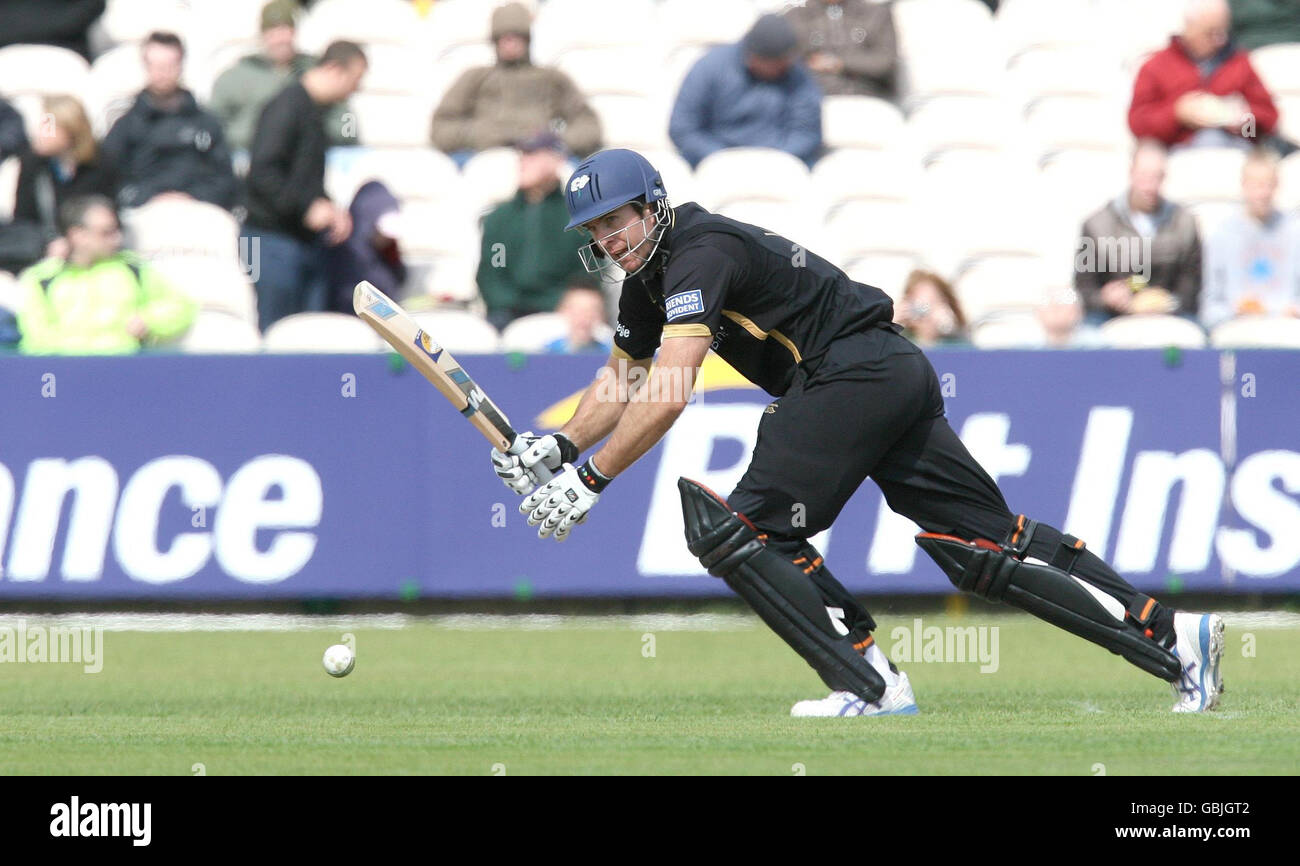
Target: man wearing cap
<point>243,90</point>
<point>850,45</point>
<point>754,93</point>
<point>495,106</point>
<point>528,259</point>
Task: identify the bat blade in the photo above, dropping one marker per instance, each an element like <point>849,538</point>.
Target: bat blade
<point>423,351</point>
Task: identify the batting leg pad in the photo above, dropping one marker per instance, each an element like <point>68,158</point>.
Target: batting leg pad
<point>778,590</point>
<point>994,573</point>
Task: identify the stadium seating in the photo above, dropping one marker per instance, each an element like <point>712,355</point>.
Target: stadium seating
<point>1257,332</point>
<point>413,174</point>
<point>219,22</point>
<point>1201,174</point>
<point>1016,330</point>
<point>724,181</point>
<point>1152,331</point>
<point>861,122</point>
<point>996,284</point>
<point>400,70</point>
<point>41,70</point>
<point>1015,130</point>
<point>115,78</point>
<point>1288,193</point>
<point>216,332</point>
<point>179,227</point>
<point>1289,121</point>
<point>10,292</point>
<point>369,22</point>
<point>321,332</point>
<point>885,270</point>
<point>459,331</point>
<point>632,120</point>
<point>561,26</point>
<point>961,122</point>
<point>391,120</point>
<point>448,243</point>
<point>533,333</point>
<point>1058,122</point>
<point>130,21</point>
<point>727,176</point>
<point>454,23</point>
<point>489,177</point>
<point>8,187</point>
<point>676,173</point>
<point>1279,67</point>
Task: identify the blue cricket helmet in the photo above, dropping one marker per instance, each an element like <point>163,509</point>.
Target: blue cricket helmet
<point>608,180</point>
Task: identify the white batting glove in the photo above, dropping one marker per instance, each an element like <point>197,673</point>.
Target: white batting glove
<point>564,500</point>
<point>532,460</point>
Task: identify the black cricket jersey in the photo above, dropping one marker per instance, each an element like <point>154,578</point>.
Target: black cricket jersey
<point>768,303</point>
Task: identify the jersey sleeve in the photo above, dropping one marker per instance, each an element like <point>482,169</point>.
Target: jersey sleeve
<point>696,284</point>
<point>640,324</point>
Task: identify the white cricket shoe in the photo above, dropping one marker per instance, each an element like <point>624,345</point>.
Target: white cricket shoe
<point>1199,647</point>
<point>896,701</point>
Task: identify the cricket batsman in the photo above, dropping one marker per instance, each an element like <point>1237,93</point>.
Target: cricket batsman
<point>854,400</point>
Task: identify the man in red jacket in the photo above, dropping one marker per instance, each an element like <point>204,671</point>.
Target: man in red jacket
<point>1201,90</point>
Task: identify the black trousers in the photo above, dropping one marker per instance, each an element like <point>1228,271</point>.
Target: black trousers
<point>873,409</point>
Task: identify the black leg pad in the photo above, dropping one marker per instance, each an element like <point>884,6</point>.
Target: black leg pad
<point>987,570</point>
<point>777,589</point>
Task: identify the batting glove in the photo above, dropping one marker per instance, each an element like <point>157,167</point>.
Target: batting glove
<point>564,500</point>
<point>532,460</point>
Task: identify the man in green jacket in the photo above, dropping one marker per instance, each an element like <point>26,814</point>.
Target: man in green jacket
<point>98,301</point>
<point>243,90</point>
<point>527,259</point>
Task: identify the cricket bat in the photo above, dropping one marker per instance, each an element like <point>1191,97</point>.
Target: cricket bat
<point>425,354</point>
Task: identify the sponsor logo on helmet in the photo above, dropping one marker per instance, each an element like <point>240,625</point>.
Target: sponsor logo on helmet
<point>579,182</point>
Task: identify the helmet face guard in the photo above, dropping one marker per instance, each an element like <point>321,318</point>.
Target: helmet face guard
<point>595,258</point>
<point>603,183</point>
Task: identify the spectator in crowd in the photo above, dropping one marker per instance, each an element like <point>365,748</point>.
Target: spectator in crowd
<point>243,90</point>
<point>371,252</point>
<point>1061,315</point>
<point>1264,22</point>
<point>583,309</point>
<point>1139,253</point>
<point>13,131</point>
<point>930,313</point>
<point>527,259</point>
<point>1252,263</point>
<point>63,164</point>
<point>850,45</point>
<point>495,106</point>
<point>61,23</point>
<point>98,300</point>
<point>166,144</point>
<point>754,93</point>
<point>1201,89</point>
<point>287,205</point>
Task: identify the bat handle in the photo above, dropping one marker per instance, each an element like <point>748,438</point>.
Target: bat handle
<point>517,447</point>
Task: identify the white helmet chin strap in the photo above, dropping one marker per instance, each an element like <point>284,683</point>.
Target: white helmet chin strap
<point>596,260</point>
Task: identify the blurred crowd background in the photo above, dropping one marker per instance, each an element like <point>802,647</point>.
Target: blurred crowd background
<point>216,175</point>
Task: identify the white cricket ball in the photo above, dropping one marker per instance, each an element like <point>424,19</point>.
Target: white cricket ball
<point>339,660</point>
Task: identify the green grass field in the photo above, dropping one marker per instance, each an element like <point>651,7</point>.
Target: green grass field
<point>428,699</point>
